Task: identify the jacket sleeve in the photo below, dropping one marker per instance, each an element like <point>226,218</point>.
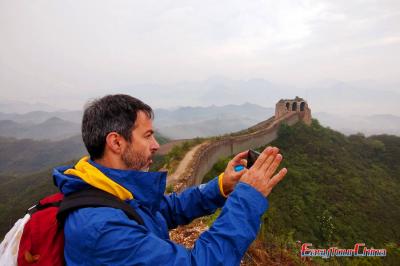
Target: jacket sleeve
<point>194,202</point>
<point>127,243</point>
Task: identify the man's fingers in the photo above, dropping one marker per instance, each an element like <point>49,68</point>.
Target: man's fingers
<point>273,166</point>
<point>277,178</point>
<point>263,156</point>
<point>243,162</point>
<point>269,160</point>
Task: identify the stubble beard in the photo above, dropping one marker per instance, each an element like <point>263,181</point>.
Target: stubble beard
<point>134,160</point>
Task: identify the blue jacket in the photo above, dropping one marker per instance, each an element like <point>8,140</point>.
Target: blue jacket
<point>106,236</point>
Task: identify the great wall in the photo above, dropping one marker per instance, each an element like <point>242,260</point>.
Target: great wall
<point>201,158</point>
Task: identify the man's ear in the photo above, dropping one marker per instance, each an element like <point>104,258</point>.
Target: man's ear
<point>115,142</point>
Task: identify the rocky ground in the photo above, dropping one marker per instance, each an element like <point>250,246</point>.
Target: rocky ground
<point>257,254</point>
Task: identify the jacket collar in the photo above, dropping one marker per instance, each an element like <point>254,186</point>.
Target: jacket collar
<point>147,188</point>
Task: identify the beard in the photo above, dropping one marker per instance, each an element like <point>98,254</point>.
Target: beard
<point>134,160</point>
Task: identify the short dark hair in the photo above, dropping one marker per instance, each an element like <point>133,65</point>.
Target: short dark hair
<point>111,113</point>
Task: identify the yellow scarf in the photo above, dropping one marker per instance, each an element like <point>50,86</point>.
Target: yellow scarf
<point>94,177</point>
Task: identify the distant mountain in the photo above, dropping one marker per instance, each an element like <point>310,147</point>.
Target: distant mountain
<point>27,155</point>
<point>345,98</point>
<point>368,125</point>
<point>203,121</point>
<point>331,96</point>
<point>53,128</point>
<point>351,97</point>
<point>207,128</point>
<point>189,122</point>
<point>212,91</point>
<point>9,128</point>
<point>37,117</point>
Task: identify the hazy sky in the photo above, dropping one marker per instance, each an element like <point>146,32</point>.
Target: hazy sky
<point>75,50</point>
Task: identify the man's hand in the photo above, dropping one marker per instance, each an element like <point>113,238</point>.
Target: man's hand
<point>260,174</point>
<point>231,177</point>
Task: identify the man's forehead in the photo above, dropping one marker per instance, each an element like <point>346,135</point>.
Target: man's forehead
<point>143,121</point>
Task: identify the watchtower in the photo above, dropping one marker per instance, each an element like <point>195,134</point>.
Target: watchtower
<point>298,105</point>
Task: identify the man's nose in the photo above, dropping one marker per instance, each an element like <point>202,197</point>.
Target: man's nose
<point>155,145</point>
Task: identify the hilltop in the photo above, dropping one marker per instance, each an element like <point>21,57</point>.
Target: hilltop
<point>351,183</point>
<point>339,190</point>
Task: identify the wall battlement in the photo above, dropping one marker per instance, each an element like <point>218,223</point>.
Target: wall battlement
<point>297,105</point>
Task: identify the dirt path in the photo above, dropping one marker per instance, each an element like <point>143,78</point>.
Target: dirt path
<point>183,165</point>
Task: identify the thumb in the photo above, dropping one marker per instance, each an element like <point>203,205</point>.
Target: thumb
<point>239,157</point>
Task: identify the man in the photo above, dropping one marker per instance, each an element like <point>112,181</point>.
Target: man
<point>118,134</point>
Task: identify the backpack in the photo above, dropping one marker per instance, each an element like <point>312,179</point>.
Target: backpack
<point>38,237</point>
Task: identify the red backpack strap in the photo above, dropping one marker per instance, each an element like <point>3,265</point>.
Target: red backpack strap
<point>53,200</point>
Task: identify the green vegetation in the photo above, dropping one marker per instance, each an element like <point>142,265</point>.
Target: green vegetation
<point>338,191</point>
<point>26,156</point>
<point>172,159</point>
<point>217,169</point>
<point>158,162</point>
<point>17,194</point>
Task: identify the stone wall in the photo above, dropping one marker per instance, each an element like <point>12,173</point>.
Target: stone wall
<point>216,150</point>
<point>254,137</point>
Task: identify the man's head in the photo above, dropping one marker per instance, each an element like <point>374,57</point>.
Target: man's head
<point>118,130</point>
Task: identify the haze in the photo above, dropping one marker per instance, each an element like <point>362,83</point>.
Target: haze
<point>342,56</point>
